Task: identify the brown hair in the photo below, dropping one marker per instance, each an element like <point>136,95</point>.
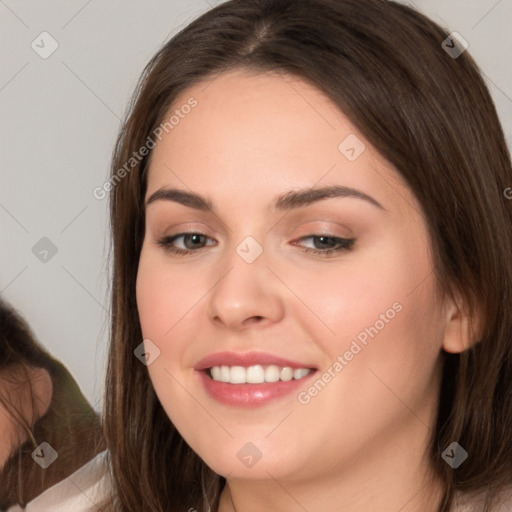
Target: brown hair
<point>70,426</point>
<point>432,117</point>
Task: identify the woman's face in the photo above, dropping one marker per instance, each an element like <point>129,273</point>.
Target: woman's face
<point>258,279</point>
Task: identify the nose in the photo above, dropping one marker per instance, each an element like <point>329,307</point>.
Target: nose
<point>246,295</point>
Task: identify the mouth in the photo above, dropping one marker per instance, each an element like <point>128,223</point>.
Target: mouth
<point>256,374</point>
<point>255,385</point>
<point>251,379</point>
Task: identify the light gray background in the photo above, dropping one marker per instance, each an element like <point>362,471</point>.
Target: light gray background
<point>59,119</point>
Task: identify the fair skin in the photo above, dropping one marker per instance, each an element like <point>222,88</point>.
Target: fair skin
<point>28,392</point>
<point>361,441</point>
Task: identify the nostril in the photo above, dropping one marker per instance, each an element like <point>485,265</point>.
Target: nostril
<point>254,319</point>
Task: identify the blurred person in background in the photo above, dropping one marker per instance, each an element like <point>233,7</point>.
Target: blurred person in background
<point>40,402</point>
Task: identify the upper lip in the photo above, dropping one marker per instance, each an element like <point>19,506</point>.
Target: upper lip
<point>247,359</point>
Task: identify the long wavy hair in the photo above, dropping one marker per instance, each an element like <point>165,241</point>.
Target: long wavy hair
<point>432,117</point>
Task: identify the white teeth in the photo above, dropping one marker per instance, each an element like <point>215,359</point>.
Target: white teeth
<point>286,373</point>
<point>215,373</point>
<point>237,375</point>
<point>272,373</point>
<point>256,374</point>
<point>224,374</point>
<point>301,372</point>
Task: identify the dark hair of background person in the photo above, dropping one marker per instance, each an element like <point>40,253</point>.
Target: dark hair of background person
<point>432,117</point>
<point>70,425</point>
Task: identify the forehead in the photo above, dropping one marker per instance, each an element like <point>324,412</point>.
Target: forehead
<point>252,132</point>
<point>244,110</point>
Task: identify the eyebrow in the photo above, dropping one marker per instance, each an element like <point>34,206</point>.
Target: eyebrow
<point>285,202</point>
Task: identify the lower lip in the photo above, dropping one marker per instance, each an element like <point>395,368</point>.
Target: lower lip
<point>251,395</point>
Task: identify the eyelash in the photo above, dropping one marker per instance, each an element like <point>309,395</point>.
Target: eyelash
<point>344,244</point>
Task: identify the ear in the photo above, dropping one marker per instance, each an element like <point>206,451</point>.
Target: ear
<point>463,328</point>
<point>42,390</point>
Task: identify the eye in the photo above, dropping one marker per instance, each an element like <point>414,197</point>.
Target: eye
<point>326,244</point>
<point>195,241</point>
<point>190,242</point>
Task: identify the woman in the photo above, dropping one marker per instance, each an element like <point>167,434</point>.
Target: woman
<point>47,429</point>
<point>312,273</point>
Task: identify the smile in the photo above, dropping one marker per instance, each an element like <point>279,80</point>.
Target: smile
<point>242,393</point>
<point>256,374</point>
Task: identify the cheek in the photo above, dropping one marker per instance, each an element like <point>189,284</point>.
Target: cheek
<point>380,365</point>
<point>169,300</point>
<point>164,295</point>
<point>163,298</point>
<point>381,314</point>
<point>364,292</point>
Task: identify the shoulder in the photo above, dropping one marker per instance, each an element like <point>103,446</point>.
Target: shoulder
<point>79,492</point>
<point>474,502</point>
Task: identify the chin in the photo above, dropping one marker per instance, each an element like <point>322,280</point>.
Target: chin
<point>247,460</point>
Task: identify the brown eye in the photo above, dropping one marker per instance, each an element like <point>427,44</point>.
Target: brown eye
<point>326,244</point>
<point>184,243</point>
